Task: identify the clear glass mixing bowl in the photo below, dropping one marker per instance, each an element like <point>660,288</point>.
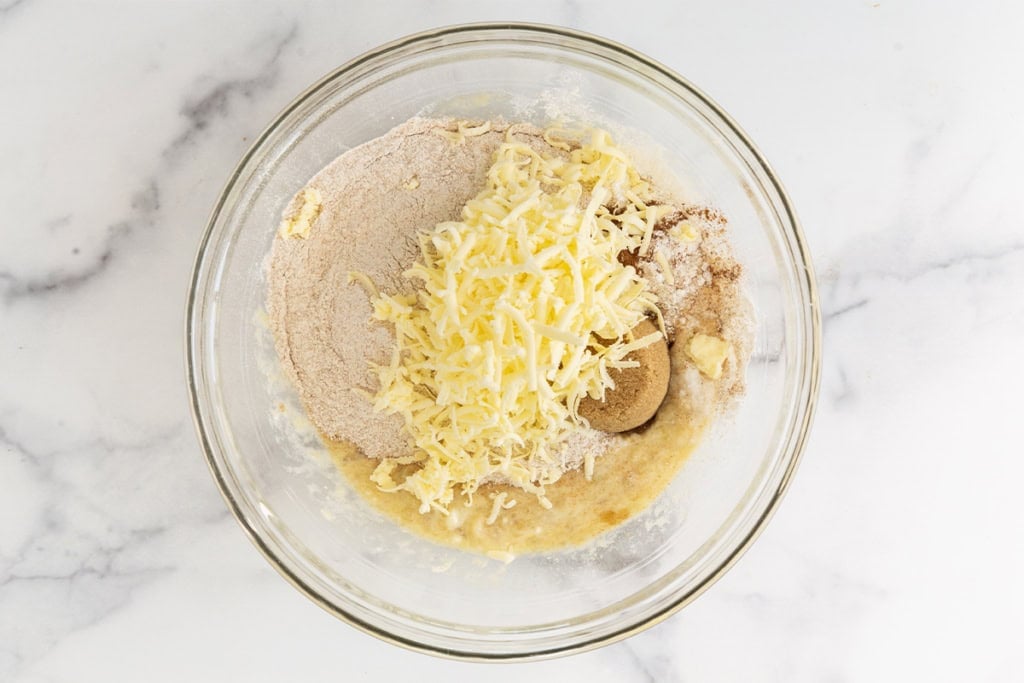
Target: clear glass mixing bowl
<point>290,500</point>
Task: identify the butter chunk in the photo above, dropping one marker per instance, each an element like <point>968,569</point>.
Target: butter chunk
<point>708,354</point>
<point>301,221</point>
<point>683,232</point>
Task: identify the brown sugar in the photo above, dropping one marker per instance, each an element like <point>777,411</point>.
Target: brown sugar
<point>638,391</point>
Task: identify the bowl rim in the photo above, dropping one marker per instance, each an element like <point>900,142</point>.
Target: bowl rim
<point>807,387</point>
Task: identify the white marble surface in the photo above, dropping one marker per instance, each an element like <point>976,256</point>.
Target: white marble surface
<point>897,127</point>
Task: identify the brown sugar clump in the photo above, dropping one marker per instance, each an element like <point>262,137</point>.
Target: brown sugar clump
<point>638,392</point>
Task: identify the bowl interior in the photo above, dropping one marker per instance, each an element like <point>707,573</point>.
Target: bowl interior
<point>277,475</point>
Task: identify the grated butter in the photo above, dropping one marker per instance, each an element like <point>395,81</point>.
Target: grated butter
<point>511,323</point>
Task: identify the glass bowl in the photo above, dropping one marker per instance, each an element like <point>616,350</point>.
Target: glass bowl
<point>274,472</point>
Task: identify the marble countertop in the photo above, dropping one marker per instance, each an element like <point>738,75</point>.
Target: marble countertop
<point>897,128</point>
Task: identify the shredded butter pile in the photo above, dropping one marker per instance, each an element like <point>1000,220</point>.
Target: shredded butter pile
<point>503,336</point>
